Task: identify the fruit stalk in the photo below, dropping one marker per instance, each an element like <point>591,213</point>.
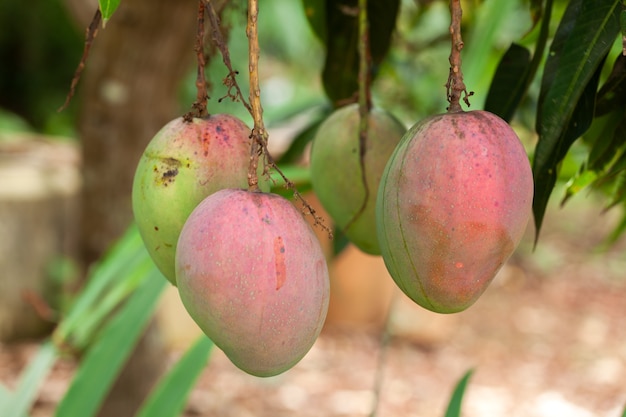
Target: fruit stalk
<point>455,86</point>
<point>259,134</point>
<point>200,105</point>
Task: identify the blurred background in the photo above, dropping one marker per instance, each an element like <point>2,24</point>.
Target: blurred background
<point>547,338</point>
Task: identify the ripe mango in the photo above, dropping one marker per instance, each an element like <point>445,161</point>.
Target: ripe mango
<point>182,164</point>
<point>453,205</point>
<point>346,192</point>
<point>252,275</point>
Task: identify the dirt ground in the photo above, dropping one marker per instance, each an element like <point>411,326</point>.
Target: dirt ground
<point>547,339</point>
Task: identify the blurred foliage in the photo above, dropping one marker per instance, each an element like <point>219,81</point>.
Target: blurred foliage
<point>39,49</point>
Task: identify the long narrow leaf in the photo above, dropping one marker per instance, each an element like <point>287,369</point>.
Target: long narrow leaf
<point>583,39</point>
<point>509,82</point>
<point>33,376</point>
<point>111,270</point>
<point>169,397</point>
<point>454,406</point>
<point>104,360</point>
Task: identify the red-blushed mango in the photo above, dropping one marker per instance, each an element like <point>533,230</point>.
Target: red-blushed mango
<point>453,205</point>
<point>252,275</point>
<point>184,163</point>
<point>346,191</point>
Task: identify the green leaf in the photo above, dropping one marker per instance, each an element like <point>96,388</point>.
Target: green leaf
<point>125,255</point>
<point>578,183</point>
<point>315,11</point>
<point>516,70</point>
<point>612,94</point>
<point>624,413</point>
<point>454,406</point>
<point>340,241</point>
<point>31,379</point>
<point>340,73</point>
<point>566,102</point>
<point>169,396</point>
<point>107,8</point>
<point>536,11</point>
<point>105,358</point>
<point>606,135</point>
<point>509,82</point>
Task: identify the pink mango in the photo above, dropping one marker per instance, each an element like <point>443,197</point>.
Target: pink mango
<point>452,207</point>
<point>253,276</point>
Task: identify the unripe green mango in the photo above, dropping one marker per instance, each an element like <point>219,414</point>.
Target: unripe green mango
<point>252,275</point>
<point>453,205</point>
<point>182,164</point>
<point>346,192</point>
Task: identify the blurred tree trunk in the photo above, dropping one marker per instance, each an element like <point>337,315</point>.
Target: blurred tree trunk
<point>128,92</point>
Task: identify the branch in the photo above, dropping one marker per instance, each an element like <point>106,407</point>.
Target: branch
<point>90,35</point>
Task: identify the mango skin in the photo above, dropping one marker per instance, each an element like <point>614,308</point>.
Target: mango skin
<point>252,275</point>
<point>182,164</point>
<point>337,176</point>
<point>453,205</point>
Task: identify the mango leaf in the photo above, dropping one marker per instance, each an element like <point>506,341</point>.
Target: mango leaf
<point>536,11</point>
<point>516,70</point>
<point>605,138</point>
<point>578,183</point>
<point>566,101</point>
<point>340,73</point>
<point>107,8</point>
<point>77,328</point>
<point>105,358</point>
<point>454,406</point>
<point>31,379</point>
<point>340,241</point>
<point>509,82</point>
<point>169,397</point>
<point>612,94</point>
<point>619,191</point>
<point>315,11</point>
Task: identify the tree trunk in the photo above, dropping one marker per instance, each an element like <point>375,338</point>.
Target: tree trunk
<point>129,91</point>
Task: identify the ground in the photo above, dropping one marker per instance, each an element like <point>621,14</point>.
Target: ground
<point>548,338</point>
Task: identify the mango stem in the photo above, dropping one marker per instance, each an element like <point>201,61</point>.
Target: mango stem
<point>455,87</point>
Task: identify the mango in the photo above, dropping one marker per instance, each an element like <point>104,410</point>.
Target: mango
<point>252,275</point>
<point>453,204</point>
<point>184,163</point>
<point>346,190</point>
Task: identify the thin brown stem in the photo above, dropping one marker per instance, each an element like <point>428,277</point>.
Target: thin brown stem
<point>259,135</point>
<point>90,34</point>
<point>455,86</point>
<point>199,107</point>
<point>230,80</point>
